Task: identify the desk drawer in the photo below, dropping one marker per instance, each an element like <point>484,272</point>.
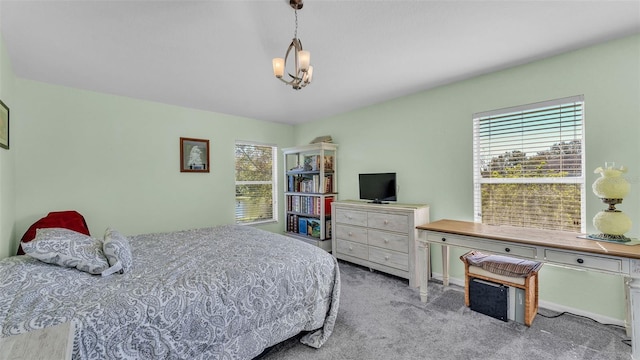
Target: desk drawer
<point>582,260</point>
<point>351,233</point>
<point>391,222</point>
<point>496,247</point>
<point>387,240</point>
<point>351,217</point>
<point>353,249</point>
<point>389,258</point>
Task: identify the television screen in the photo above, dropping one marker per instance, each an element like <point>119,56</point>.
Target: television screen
<point>378,187</point>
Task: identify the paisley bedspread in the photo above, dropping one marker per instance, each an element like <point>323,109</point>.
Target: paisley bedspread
<point>226,292</point>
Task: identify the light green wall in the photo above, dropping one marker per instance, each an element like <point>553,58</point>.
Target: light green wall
<point>7,162</point>
<point>427,139</point>
<point>116,160</point>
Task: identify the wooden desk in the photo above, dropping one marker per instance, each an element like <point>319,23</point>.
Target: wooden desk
<point>52,343</point>
<point>557,247</point>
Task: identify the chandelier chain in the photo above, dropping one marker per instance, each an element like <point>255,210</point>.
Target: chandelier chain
<point>295,34</point>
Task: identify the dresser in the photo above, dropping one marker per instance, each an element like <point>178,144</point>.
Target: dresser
<point>378,236</point>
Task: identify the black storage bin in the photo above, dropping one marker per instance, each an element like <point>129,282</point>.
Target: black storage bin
<point>489,298</point>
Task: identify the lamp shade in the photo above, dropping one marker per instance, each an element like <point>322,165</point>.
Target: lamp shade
<point>278,67</point>
<point>304,57</point>
<point>611,184</point>
<point>310,74</point>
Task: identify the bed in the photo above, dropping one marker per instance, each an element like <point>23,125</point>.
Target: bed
<point>226,292</point>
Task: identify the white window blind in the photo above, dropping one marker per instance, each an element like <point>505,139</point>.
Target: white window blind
<point>529,165</point>
<point>255,183</point>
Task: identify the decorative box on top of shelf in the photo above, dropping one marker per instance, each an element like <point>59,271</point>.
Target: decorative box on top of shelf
<point>310,188</point>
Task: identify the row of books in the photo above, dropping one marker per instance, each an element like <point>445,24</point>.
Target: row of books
<point>307,226</point>
<point>309,204</point>
<point>310,183</point>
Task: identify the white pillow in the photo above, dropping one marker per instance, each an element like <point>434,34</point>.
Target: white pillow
<point>67,248</point>
<point>118,252</point>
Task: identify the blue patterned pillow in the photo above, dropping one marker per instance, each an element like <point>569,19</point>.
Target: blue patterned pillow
<point>118,252</point>
<point>67,248</point>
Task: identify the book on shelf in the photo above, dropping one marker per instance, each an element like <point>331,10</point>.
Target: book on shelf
<point>313,228</point>
<point>328,183</point>
<point>302,225</point>
<point>327,205</point>
<point>292,223</point>
<point>291,183</point>
<point>328,162</point>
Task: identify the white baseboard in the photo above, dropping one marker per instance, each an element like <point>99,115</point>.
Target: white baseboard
<point>597,317</point>
<point>550,305</point>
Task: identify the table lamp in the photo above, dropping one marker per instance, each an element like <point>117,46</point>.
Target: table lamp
<point>611,187</point>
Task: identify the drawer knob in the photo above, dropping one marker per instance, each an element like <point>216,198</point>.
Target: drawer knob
<point>350,248</point>
<point>386,222</point>
<point>350,233</point>
<point>507,249</point>
<point>386,241</point>
<point>580,261</point>
<point>386,257</point>
<point>444,239</point>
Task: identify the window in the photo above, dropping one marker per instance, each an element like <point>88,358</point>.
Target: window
<point>255,183</point>
<point>529,165</point>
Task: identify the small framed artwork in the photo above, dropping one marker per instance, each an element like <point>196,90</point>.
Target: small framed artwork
<point>4,125</point>
<point>194,155</point>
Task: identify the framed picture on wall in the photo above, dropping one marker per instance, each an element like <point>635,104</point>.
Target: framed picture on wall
<point>194,155</point>
<point>4,125</point>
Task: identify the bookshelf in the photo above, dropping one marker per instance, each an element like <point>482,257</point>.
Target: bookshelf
<point>310,188</point>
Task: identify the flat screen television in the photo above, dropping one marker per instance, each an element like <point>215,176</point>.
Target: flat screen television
<point>378,187</point>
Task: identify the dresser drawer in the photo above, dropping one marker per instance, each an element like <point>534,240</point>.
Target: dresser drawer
<point>391,222</point>
<point>351,233</point>
<point>353,249</point>
<point>387,240</point>
<point>477,244</point>
<point>586,261</point>
<point>351,217</point>
<point>389,258</point>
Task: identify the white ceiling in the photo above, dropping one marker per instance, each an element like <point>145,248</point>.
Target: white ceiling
<point>216,55</point>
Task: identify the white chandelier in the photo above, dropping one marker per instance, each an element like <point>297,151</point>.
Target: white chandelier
<point>303,71</point>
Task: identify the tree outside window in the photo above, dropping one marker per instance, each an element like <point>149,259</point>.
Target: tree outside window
<point>529,166</point>
<point>255,183</point>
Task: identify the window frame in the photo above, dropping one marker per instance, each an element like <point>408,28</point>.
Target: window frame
<point>479,180</point>
<point>273,182</point>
